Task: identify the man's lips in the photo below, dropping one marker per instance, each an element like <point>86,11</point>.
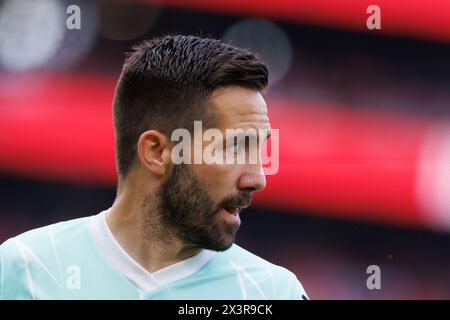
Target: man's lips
<point>234,205</point>
<point>234,210</point>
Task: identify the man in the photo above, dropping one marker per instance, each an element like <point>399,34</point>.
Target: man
<point>171,229</point>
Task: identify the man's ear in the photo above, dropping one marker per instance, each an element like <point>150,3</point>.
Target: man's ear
<point>154,150</point>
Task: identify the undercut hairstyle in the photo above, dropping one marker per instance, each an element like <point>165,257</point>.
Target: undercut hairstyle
<point>166,84</point>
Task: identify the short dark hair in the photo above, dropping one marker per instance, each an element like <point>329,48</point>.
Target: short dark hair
<point>166,83</point>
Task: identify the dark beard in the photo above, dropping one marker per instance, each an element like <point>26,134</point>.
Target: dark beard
<point>188,212</point>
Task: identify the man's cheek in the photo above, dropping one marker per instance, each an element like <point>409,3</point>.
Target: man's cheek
<point>220,183</point>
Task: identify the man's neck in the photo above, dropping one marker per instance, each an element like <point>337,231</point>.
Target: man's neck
<point>128,222</point>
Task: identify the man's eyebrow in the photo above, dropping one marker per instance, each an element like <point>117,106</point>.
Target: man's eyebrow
<point>260,131</point>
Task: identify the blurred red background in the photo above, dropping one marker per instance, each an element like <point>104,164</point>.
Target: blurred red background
<point>363,117</point>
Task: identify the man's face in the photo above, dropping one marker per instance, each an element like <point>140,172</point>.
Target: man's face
<point>201,202</point>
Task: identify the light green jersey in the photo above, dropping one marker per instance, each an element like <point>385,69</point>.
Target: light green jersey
<point>80,259</point>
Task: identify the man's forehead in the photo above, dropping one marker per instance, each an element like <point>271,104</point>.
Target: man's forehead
<point>240,106</point>
<point>260,133</point>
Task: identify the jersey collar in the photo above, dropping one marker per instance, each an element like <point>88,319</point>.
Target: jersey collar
<point>134,272</point>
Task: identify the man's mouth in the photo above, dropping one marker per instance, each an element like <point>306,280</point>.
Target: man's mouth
<point>234,206</point>
<point>233,210</point>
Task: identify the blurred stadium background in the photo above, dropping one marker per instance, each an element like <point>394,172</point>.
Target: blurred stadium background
<point>363,116</point>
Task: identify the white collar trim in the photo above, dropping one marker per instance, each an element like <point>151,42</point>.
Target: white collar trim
<point>134,272</point>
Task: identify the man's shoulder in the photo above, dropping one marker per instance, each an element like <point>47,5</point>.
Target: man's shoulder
<point>251,265</point>
<point>239,255</point>
<point>41,240</point>
<point>36,259</point>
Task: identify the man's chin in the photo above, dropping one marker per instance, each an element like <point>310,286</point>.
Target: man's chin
<point>221,241</point>
<point>228,222</point>
<point>220,246</point>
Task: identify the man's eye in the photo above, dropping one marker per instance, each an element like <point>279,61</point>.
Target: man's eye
<point>235,146</point>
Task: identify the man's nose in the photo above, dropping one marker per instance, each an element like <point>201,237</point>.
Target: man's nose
<point>252,181</point>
